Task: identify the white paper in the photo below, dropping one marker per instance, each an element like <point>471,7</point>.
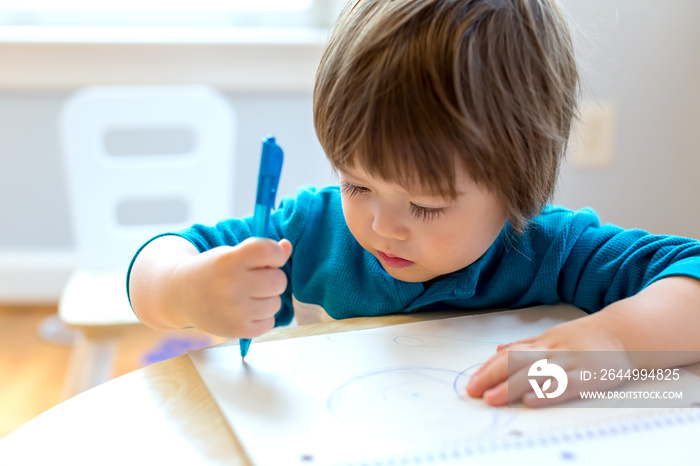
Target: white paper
<point>374,395</point>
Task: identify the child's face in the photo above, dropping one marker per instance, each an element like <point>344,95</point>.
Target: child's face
<point>417,237</point>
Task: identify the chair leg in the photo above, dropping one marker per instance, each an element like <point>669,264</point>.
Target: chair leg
<point>92,359</point>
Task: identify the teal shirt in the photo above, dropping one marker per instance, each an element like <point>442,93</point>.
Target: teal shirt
<point>564,256</point>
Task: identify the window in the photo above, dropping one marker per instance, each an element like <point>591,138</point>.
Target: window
<point>173,13</point>
<point>243,45</point>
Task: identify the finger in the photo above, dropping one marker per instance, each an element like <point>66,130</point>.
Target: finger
<point>263,308</point>
<point>256,328</point>
<point>510,391</point>
<point>266,283</point>
<point>494,371</point>
<point>286,245</point>
<point>264,252</point>
<point>519,342</point>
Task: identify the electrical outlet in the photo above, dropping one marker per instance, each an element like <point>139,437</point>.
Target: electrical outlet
<point>592,145</point>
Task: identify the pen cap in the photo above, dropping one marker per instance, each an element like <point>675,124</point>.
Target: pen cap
<point>270,169</point>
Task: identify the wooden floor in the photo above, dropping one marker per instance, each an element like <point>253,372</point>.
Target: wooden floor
<point>32,370</point>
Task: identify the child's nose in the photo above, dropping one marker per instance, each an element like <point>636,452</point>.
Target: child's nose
<point>387,223</point>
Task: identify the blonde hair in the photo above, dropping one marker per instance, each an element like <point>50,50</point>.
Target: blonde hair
<point>413,89</point>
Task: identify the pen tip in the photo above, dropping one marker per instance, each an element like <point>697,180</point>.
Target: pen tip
<point>245,344</point>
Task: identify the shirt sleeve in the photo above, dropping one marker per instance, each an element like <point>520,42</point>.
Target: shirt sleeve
<point>288,221</point>
<point>596,265</point>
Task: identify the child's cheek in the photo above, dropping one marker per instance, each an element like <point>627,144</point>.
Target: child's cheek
<point>356,218</point>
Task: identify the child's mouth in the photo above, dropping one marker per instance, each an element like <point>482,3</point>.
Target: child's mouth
<point>394,262</point>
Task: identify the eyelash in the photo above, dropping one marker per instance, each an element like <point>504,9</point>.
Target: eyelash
<point>426,214</point>
<point>423,213</point>
<point>351,190</point>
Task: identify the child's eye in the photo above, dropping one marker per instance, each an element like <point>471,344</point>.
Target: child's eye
<point>350,189</point>
<point>426,214</point>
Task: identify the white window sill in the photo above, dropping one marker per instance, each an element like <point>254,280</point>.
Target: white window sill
<point>254,59</point>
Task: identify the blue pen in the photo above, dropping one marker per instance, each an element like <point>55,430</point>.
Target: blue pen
<point>268,179</point>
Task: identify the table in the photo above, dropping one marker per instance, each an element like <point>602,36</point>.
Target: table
<point>161,414</point>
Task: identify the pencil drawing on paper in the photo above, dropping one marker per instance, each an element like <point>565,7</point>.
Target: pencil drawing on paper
<point>418,400</point>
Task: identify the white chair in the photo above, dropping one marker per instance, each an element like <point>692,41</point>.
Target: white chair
<point>118,201</point>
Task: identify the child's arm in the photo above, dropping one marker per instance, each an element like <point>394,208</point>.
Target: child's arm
<point>665,316</point>
<point>230,291</point>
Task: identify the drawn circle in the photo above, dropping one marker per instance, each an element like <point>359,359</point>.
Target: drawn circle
<point>412,403</point>
<point>409,341</point>
<point>459,385</point>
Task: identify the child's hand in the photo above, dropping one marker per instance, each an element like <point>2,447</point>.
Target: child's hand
<point>232,292</point>
<point>588,336</point>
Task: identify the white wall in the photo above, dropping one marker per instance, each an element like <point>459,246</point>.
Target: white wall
<point>644,57</point>
<point>641,55</point>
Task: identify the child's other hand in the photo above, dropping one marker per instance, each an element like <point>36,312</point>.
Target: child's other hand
<point>588,336</point>
<point>232,291</point>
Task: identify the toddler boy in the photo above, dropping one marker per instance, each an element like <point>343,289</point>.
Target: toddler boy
<point>446,121</point>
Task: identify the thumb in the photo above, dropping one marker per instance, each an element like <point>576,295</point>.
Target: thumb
<point>286,246</point>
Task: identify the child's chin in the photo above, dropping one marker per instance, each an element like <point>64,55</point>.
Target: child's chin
<point>408,275</point>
